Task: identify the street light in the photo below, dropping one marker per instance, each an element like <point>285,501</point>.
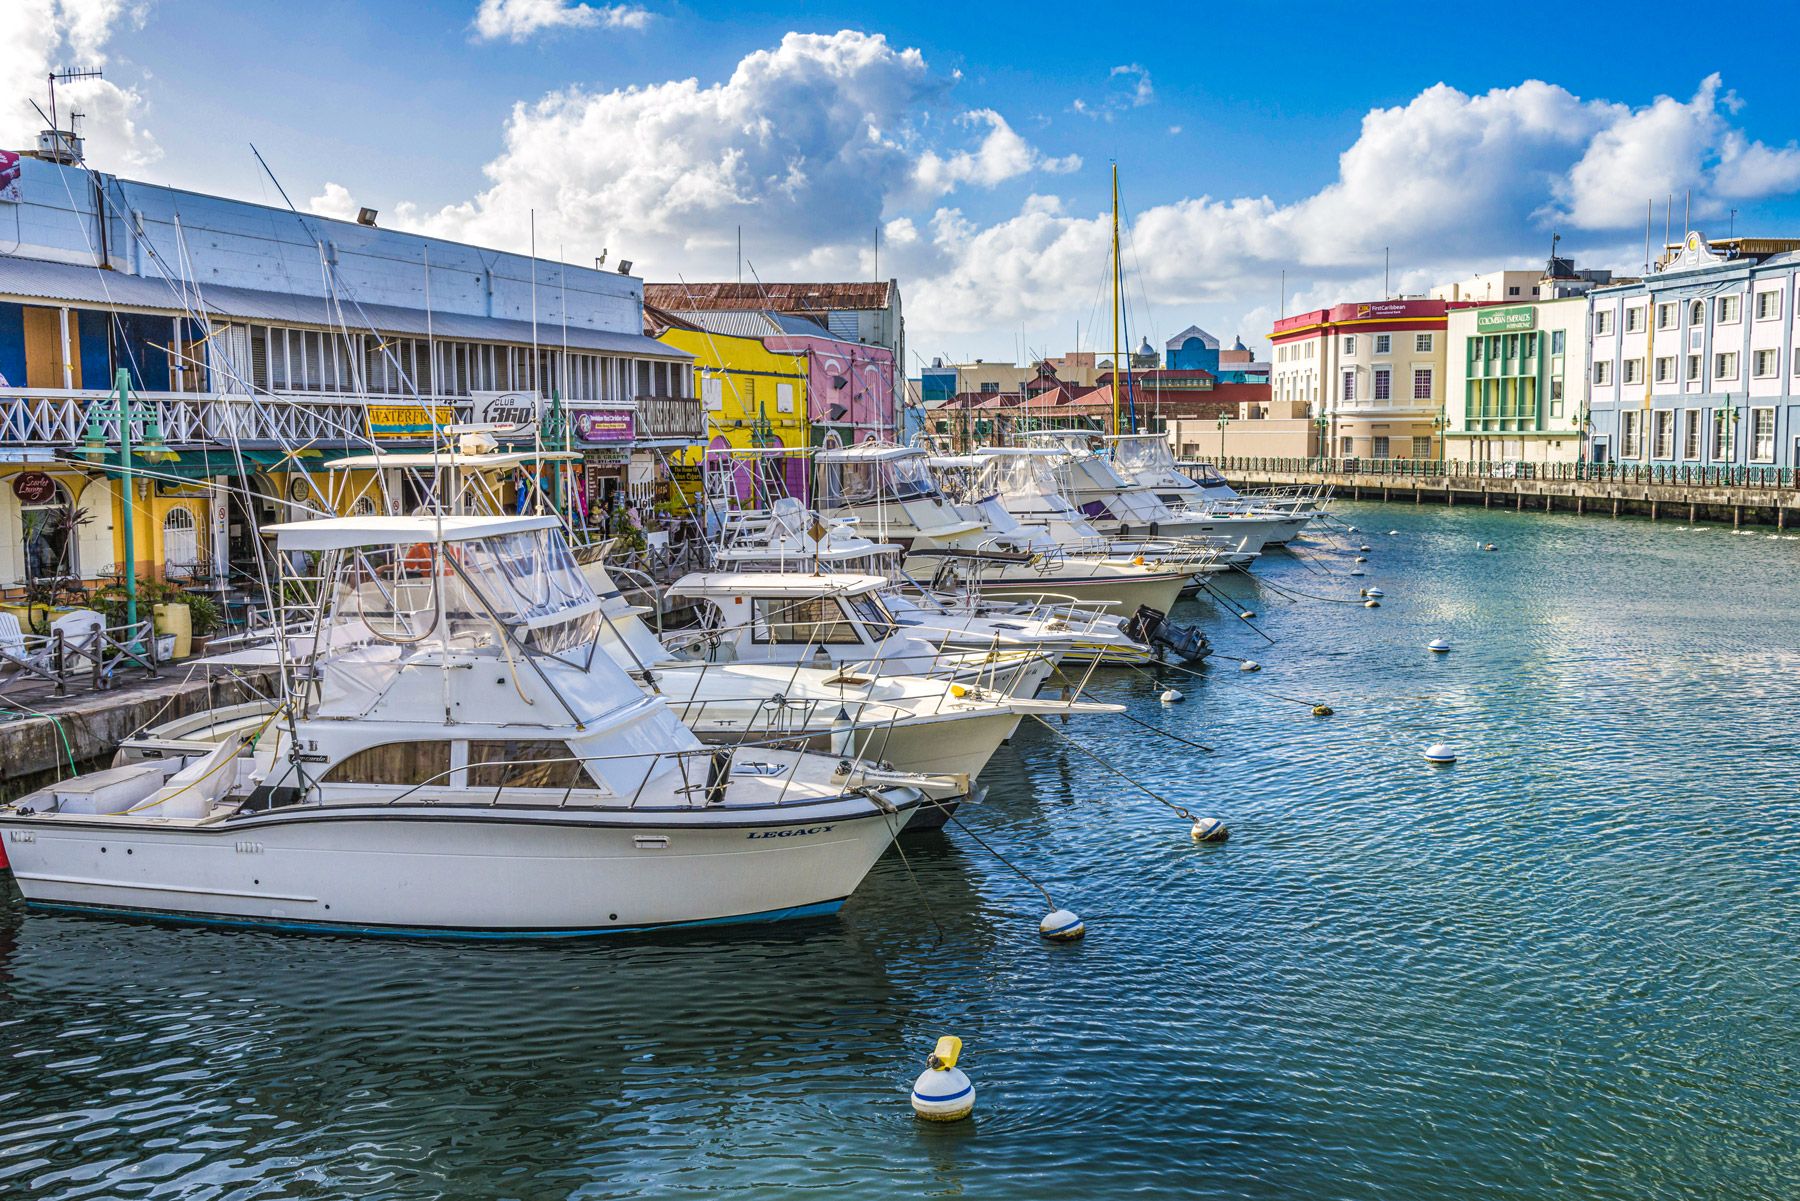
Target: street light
<point>154,450</point>
<point>1727,416</point>
<point>1323,423</point>
<point>1224,420</point>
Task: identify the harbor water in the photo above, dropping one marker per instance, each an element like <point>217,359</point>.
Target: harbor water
<point>1562,967</point>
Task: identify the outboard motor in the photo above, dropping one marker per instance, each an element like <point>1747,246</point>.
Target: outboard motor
<point>1153,628</point>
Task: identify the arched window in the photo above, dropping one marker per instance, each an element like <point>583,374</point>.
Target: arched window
<point>181,543</point>
<point>1697,313</point>
<point>48,532</point>
<point>364,507</point>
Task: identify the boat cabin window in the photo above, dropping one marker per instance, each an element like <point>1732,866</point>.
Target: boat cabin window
<point>803,619</point>
<point>1134,455</point>
<point>395,763</point>
<point>900,479</point>
<point>874,615</point>
<point>524,763</point>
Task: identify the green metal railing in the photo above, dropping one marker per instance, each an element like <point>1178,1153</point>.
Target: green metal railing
<point>1452,469</point>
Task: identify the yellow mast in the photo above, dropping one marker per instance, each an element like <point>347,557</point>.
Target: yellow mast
<point>1115,283</point>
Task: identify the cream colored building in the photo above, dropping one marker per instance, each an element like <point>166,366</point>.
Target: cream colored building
<point>1495,287</point>
<point>1277,429</point>
<point>1516,382</point>
<point>1374,370</point>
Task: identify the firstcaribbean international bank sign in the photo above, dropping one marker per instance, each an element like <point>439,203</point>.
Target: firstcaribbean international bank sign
<point>1505,321</point>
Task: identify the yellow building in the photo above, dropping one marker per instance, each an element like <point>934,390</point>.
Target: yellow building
<point>753,397</point>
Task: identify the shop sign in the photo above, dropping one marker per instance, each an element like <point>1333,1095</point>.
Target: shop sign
<point>605,425</point>
<point>610,457</point>
<point>9,177</point>
<point>34,488</point>
<point>515,414</point>
<point>409,421</point>
<point>1390,308</point>
<point>1505,321</point>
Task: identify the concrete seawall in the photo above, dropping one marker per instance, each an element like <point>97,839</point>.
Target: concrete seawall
<point>1739,505</point>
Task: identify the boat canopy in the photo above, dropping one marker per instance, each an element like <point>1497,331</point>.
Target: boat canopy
<point>775,583</point>
<point>1135,453</point>
<point>342,533</point>
<point>868,452</point>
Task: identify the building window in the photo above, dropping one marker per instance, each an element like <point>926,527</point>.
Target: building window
<point>1512,291</point>
<point>1421,383</point>
<point>1628,433</point>
<point>1725,365</point>
<point>181,542</point>
<point>1380,446</point>
<point>1349,343</point>
<point>1665,369</point>
<point>1662,436</point>
<point>1633,371</point>
<point>1730,309</point>
<point>1346,445</point>
<point>1603,372</point>
<point>49,535</point>
<point>1603,322</point>
<point>1762,435</point>
<point>1556,396</point>
<point>1665,315</point>
<point>1634,318</point>
<point>1693,371</point>
<point>1421,446</point>
<point>1384,387</point>
<point>1690,433</point>
<point>1765,364</point>
<point>1422,343</point>
<point>1721,423</point>
<point>1697,313</point>
<point>1768,306</point>
<point>1349,385</point>
<point>1558,339</point>
<point>1384,343</point>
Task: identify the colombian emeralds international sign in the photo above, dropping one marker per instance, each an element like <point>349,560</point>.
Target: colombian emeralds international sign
<point>1507,320</point>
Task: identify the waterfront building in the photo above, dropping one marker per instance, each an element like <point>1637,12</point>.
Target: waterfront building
<point>1515,381</point>
<point>1237,365</point>
<point>260,343</point>
<point>1193,349</point>
<point>1277,429</point>
<point>1373,372</point>
<point>1558,278</point>
<point>752,396</point>
<point>1699,365</point>
<point>859,313</point>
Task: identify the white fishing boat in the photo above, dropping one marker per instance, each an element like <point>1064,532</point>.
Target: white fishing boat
<point>1147,461</point>
<point>456,755</point>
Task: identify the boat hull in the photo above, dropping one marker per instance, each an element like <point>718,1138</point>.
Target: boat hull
<point>430,870</point>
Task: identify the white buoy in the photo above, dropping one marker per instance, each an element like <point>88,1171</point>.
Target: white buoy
<point>1247,614</point>
<point>1439,645</point>
<point>1358,571</point>
<point>1439,752</point>
<point>1060,925</point>
<point>942,1093</point>
<point>1375,592</point>
<point>1392,533</point>
<point>1489,546</point>
<point>1171,697</point>
<point>1249,665</point>
<point>1362,558</point>
<point>1353,529</point>
<point>1371,604</point>
<point>1209,829</point>
<point>1364,549</point>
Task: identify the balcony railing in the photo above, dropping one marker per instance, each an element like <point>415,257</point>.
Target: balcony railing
<point>1695,475</point>
<point>53,417</point>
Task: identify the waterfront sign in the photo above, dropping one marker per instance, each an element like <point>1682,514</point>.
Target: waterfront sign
<point>1507,320</point>
<point>409,421</point>
<point>605,425</point>
<point>516,413</point>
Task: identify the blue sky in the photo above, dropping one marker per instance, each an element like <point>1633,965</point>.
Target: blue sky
<point>983,153</point>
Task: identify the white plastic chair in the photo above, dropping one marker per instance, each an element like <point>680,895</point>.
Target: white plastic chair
<point>77,626</point>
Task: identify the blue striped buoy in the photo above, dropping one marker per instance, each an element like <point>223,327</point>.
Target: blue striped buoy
<point>1209,829</point>
<point>1060,925</point>
<point>1439,752</point>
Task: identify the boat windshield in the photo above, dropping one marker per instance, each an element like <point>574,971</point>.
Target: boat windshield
<point>452,593</point>
<point>1022,476</point>
<point>1139,455</point>
<point>896,479</point>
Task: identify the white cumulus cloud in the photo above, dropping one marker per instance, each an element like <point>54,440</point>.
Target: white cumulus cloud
<point>1001,155</point>
<point>38,36</point>
<point>519,20</point>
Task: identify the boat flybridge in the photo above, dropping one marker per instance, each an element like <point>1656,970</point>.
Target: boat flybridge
<point>456,754</point>
<point>1147,461</point>
<point>890,493</point>
<point>1122,508</point>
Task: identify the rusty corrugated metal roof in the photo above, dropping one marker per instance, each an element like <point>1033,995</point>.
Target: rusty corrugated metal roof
<point>783,298</point>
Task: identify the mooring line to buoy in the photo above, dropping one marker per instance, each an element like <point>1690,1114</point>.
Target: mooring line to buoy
<point>1178,810</point>
<point>1200,746</point>
<point>920,888</point>
<point>1293,592</point>
<point>1015,868</point>
<point>1235,611</point>
<point>1315,706</point>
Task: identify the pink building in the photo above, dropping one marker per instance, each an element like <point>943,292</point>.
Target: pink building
<point>849,385</point>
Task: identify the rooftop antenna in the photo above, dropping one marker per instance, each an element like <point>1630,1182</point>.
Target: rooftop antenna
<point>1687,211</point>
<point>1649,211</point>
<point>1387,292</point>
<point>56,77</point>
<point>1731,230</point>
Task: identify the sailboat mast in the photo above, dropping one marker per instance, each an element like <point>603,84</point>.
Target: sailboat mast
<point>1115,304</point>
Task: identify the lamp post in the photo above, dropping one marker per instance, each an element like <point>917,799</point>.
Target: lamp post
<point>1323,424</point>
<point>1224,420</point>
<point>1439,424</point>
<point>1727,417</point>
<point>154,449</point>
